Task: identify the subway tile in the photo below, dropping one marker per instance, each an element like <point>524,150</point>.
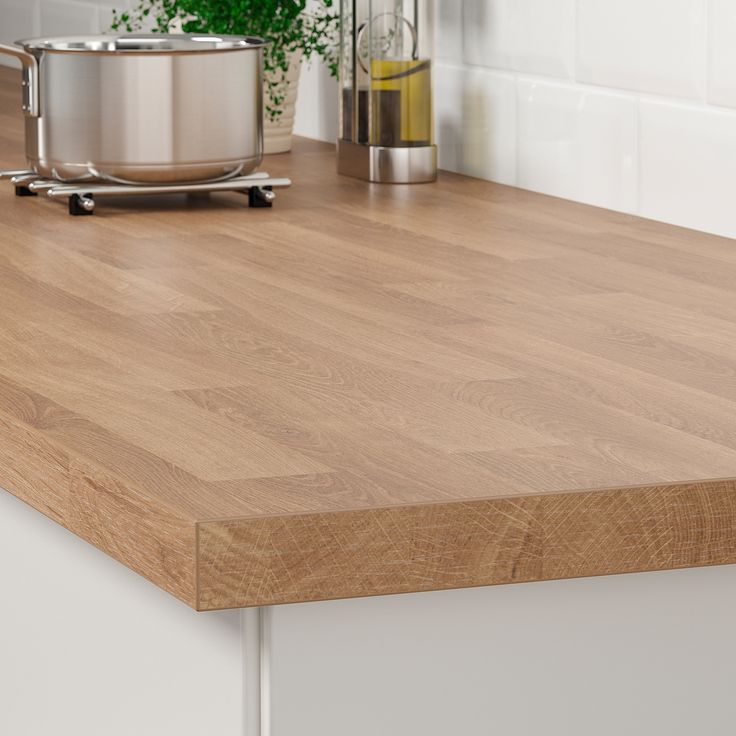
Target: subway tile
<point>448,23</point>
<point>106,16</point>
<point>577,144</point>
<point>476,123</point>
<point>533,36</point>
<point>60,17</point>
<point>317,102</point>
<point>688,166</point>
<point>722,53</point>
<point>656,46</point>
<point>17,20</point>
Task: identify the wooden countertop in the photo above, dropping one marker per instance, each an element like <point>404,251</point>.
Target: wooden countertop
<point>367,389</point>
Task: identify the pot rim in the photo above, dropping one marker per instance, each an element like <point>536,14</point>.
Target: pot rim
<point>143,44</point>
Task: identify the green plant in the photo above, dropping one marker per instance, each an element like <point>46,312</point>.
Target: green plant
<point>287,24</point>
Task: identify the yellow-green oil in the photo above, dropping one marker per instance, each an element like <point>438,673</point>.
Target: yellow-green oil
<point>401,102</point>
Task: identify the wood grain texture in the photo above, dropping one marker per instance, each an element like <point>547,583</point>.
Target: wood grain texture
<point>367,389</point>
<point>435,546</point>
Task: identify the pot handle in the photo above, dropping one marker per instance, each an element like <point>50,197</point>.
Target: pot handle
<point>30,77</point>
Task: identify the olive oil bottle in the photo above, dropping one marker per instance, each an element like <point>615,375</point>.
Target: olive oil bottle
<point>386,126</point>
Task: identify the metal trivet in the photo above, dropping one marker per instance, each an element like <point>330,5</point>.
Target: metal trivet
<point>81,195</point>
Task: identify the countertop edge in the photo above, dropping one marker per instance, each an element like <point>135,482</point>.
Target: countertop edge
<point>437,546</point>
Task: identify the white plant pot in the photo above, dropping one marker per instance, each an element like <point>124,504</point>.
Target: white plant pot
<point>277,133</point>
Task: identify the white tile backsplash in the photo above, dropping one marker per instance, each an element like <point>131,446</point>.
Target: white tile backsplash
<point>534,36</point>
<point>106,15</point>
<point>28,18</point>
<point>577,143</point>
<point>476,122</point>
<point>448,18</point>
<point>18,19</point>
<point>688,166</point>
<point>317,121</point>
<point>722,53</point>
<point>648,45</point>
<point>64,17</point>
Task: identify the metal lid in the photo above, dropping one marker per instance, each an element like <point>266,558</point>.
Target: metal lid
<point>144,43</point>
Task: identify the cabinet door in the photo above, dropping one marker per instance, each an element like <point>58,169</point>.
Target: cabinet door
<point>650,654</point>
<point>89,648</point>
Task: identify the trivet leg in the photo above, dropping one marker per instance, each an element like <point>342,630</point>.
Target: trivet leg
<point>81,205</point>
<point>23,191</point>
<point>261,197</point>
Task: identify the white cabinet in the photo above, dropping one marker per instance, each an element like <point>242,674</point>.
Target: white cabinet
<point>89,648</point>
<point>650,654</point>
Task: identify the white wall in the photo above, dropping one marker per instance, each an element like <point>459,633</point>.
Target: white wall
<point>27,18</point>
<point>626,104</point>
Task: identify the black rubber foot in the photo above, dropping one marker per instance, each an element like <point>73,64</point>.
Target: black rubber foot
<point>258,198</point>
<point>75,206</point>
<point>21,191</point>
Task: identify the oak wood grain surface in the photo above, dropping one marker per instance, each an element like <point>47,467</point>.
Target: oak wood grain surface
<point>367,389</point>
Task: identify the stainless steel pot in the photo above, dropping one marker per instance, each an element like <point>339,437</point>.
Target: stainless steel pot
<point>142,108</point>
